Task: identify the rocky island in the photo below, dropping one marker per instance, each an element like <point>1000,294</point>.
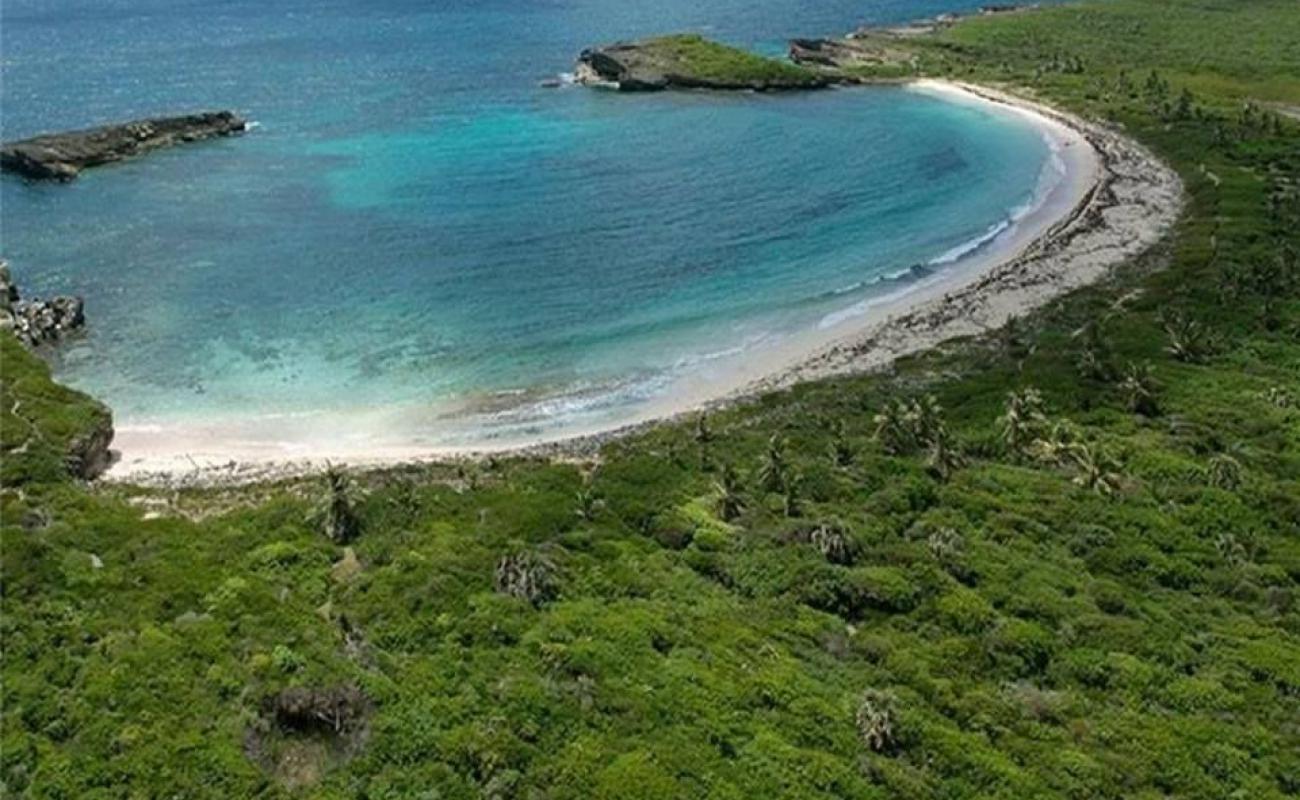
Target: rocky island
<point>688,61</point>
<point>62,156</point>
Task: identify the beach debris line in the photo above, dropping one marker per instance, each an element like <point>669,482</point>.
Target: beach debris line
<point>62,156</point>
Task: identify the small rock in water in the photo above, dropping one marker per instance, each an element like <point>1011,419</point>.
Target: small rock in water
<point>551,83</point>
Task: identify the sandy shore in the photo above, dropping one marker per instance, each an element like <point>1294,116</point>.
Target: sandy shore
<point>1112,201</point>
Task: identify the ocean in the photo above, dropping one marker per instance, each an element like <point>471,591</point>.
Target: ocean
<point>416,223</point>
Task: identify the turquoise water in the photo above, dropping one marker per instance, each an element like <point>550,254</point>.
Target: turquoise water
<point>415,222</point>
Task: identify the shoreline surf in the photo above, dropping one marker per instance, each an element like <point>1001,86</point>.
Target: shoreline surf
<point>1110,200</point>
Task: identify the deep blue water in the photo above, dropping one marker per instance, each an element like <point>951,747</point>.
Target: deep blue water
<point>416,221</point>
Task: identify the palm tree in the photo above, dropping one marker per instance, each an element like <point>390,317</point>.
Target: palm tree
<point>1013,342</point>
<point>833,542</point>
<point>876,720</point>
<point>841,452</point>
<point>1224,472</point>
<point>1094,352</point>
<point>1098,469</point>
<point>527,575</point>
<point>731,499</point>
<point>926,416</point>
<point>772,472</point>
<point>589,504</point>
<point>1055,446</point>
<point>945,545</point>
<point>1023,421</point>
<point>703,434</point>
<point>945,456</point>
<point>791,500</point>
<point>1233,551</point>
<point>336,508</point>
<point>1187,337</point>
<point>891,429</point>
<point>1140,390</point>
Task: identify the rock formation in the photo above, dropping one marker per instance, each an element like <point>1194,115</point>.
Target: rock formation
<point>62,156</point>
<point>36,322</point>
<point>688,62</point>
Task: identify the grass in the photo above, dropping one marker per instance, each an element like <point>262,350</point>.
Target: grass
<point>39,419</point>
<point>1010,631</point>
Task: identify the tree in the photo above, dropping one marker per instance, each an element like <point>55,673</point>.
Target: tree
<point>876,720</point>
<point>1224,472</point>
<point>891,428</point>
<point>1098,470</point>
<point>1094,352</point>
<point>703,433</point>
<point>527,575</point>
<point>1013,342</point>
<point>832,540</point>
<point>1023,421</point>
<point>945,545</point>
<point>1055,446</point>
<point>588,505</point>
<point>945,456</point>
<point>336,508</point>
<point>791,494</point>
<point>1141,390</point>
<point>772,471</point>
<point>1188,339</point>
<point>903,428</point>
<point>840,450</point>
<point>731,498</point>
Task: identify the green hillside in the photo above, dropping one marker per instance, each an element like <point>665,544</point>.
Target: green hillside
<point>1063,561</point>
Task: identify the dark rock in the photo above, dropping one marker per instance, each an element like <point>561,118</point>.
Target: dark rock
<point>38,322</point>
<point>333,710</point>
<point>8,289</point>
<point>88,454</point>
<point>61,156</point>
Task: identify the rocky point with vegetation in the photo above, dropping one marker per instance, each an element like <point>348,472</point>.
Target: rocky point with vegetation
<point>1061,560</point>
<point>689,61</point>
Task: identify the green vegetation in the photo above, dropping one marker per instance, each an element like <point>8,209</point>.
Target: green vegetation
<point>693,56</point>
<point>1061,570</point>
<point>43,425</point>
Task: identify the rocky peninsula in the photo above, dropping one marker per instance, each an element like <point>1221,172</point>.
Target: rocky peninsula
<point>62,156</point>
<point>688,61</point>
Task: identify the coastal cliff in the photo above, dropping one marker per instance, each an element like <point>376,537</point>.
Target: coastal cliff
<point>688,61</point>
<point>62,156</point>
<point>47,431</point>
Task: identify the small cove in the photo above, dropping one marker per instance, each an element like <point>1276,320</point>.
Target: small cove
<point>423,230</point>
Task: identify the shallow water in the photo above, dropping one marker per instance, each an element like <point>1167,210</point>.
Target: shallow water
<point>416,223</point>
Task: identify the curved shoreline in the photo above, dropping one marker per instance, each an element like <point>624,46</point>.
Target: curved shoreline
<point>1115,201</point>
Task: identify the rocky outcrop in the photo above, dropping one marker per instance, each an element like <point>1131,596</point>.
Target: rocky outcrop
<point>688,62</point>
<point>62,156</point>
<point>860,57</point>
<point>36,322</point>
<point>88,454</point>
